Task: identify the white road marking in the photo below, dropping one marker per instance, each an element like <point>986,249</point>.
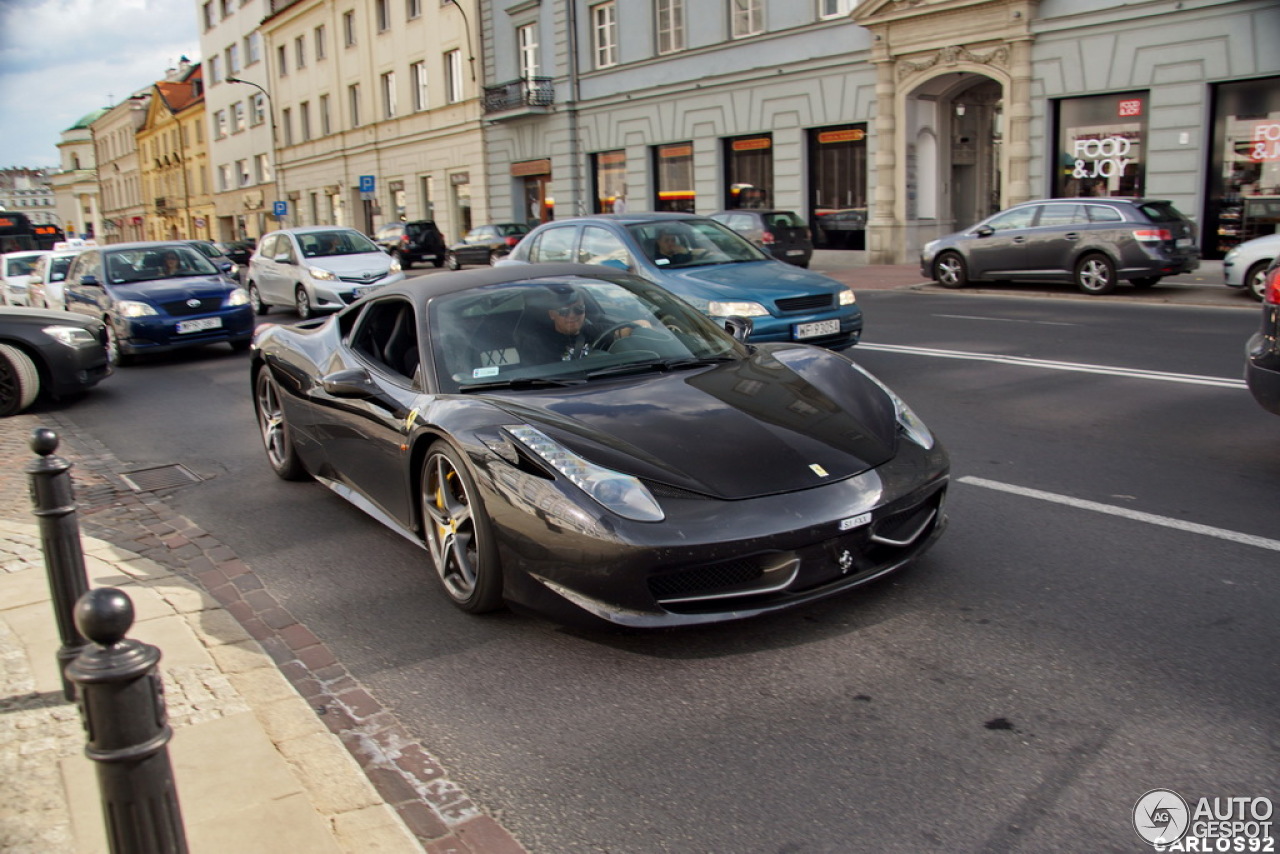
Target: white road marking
<point>1005,319</point>
<point>1049,364</point>
<point>1124,512</point>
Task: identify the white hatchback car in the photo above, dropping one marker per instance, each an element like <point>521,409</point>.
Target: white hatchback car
<point>1245,265</point>
<point>317,268</point>
<point>15,269</point>
<point>44,287</point>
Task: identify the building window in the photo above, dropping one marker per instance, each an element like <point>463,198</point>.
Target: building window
<point>215,70</point>
<point>610,173</point>
<point>253,48</point>
<point>220,124</point>
<point>418,74</point>
<point>527,39</point>
<point>304,120</point>
<point>1244,181</point>
<point>670,25</point>
<point>349,28</point>
<point>604,34</point>
<point>384,15</point>
<point>353,104</point>
<point>227,8</point>
<point>242,171</point>
<point>412,9</point>
<point>257,109</point>
<point>262,169</point>
<point>326,123</point>
<point>320,43</point>
<point>1100,145</point>
<point>673,174</point>
<point>838,186</point>
<point>747,17</point>
<point>233,59</point>
<point>207,14</point>
<point>237,117</point>
<point>748,167</point>
<point>835,8</point>
<point>224,178</point>
<point>300,52</point>
<point>453,75</point>
<point>286,125</point>
<point>282,61</point>
<point>389,95</point>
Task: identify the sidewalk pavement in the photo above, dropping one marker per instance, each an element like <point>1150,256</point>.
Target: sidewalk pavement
<point>275,747</point>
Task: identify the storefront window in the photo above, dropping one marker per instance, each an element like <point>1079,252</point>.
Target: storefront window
<point>838,182</point>
<point>748,164</point>
<point>1244,178</point>
<point>673,169</point>
<point>1100,145</point>
<point>610,172</point>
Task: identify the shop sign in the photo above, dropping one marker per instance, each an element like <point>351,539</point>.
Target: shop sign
<point>854,135</point>
<point>753,144</point>
<point>1265,144</point>
<point>531,167</point>
<point>675,151</point>
<point>1102,157</point>
<point>1130,107</point>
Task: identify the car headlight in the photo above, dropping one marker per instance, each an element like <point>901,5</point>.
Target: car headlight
<point>70,336</point>
<point>929,249</point>
<point>908,421</point>
<point>621,493</point>
<point>395,267</point>
<point>728,308</point>
<point>847,297</point>
<point>321,275</point>
<point>237,297</point>
<point>133,308</point>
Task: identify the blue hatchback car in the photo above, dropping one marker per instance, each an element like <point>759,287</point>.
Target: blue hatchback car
<point>717,270</point>
<point>156,297</point>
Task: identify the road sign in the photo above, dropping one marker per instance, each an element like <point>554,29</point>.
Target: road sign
<point>280,208</point>
<point>366,183</point>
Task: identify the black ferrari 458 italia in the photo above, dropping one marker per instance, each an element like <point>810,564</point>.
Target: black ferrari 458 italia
<point>580,441</point>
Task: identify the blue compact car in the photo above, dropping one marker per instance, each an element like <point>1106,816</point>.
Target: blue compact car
<point>714,268</point>
<point>156,297</point>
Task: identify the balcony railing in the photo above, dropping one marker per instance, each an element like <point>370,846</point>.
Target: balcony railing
<point>521,95</point>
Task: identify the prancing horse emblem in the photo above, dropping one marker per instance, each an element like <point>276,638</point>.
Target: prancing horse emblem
<point>846,562</point>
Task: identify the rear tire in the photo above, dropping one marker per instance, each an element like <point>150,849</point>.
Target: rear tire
<point>19,381</point>
<point>405,261</point>
<point>1255,281</point>
<point>950,271</point>
<point>438,261</point>
<point>277,437</point>
<point>457,532</point>
<point>302,304</point>
<point>1095,275</point>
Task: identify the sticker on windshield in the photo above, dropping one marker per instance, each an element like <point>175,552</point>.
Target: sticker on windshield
<point>484,372</point>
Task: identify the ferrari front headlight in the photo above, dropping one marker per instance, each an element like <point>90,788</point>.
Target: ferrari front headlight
<point>618,492</point>
<point>908,421</point>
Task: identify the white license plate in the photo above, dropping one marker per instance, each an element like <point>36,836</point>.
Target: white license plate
<point>200,325</point>
<point>814,330</point>
<point>364,289</point>
<point>795,251</point>
<point>1184,242</point>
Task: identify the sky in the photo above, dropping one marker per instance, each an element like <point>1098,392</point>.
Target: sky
<point>62,59</point>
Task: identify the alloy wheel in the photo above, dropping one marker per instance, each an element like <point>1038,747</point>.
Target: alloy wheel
<point>451,534</point>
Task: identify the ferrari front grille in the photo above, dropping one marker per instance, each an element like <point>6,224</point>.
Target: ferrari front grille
<point>906,526</point>
<point>704,579</point>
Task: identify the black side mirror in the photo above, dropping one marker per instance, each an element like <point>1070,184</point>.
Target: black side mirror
<point>739,327</point>
<point>985,231</point>
<point>352,383</point>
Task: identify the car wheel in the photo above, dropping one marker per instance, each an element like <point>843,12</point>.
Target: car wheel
<point>19,380</point>
<point>1255,281</point>
<point>115,353</point>
<point>302,304</point>
<point>452,261</point>
<point>1146,281</point>
<point>277,438</point>
<point>255,298</point>
<point>438,261</point>
<point>950,270</point>
<point>405,261</point>
<point>1096,275</point>
<point>457,532</point>
<point>496,255</point>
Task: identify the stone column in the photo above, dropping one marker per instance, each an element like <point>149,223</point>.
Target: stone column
<point>1018,115</point>
<point>883,228</point>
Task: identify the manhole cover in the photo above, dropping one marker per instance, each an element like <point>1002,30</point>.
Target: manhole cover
<point>160,477</point>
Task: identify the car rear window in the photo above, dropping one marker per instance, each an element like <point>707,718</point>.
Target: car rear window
<point>785,219</point>
<point>417,228</point>
<point>1161,212</point>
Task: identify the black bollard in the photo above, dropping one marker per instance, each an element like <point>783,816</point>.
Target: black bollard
<point>121,698</point>
<point>51,494</point>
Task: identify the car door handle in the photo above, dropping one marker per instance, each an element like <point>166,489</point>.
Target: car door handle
<point>1071,235</point>
<point>1019,239</point>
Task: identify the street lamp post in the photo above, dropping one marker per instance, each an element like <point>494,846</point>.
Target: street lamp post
<point>275,146</point>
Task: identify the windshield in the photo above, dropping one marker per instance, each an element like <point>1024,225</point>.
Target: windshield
<point>208,250</point>
<point>567,330</point>
<point>511,229</point>
<point>692,243</point>
<point>344,242</point>
<point>151,263</point>
<point>20,265</point>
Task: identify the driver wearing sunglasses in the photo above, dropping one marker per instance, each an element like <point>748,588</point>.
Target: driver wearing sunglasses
<point>567,333</point>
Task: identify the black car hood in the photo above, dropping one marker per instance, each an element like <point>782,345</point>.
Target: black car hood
<point>784,419</point>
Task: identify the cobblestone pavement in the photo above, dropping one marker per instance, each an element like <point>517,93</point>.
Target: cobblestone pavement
<point>37,730</point>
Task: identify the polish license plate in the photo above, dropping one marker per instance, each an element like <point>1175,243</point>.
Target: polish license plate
<point>816,329</point>
<point>204,323</point>
<point>364,289</point>
<point>1184,242</point>
<point>795,251</point>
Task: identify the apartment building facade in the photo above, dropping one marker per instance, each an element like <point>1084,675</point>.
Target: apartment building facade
<point>884,122</point>
<point>115,144</point>
<point>75,184</point>
<point>29,191</point>
<point>377,110</point>
<point>174,158</point>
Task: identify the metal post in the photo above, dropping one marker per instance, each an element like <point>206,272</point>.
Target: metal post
<point>121,698</point>
<point>51,495</point>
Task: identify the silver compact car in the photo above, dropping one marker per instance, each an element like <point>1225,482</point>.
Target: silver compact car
<point>1245,266</point>
<point>1093,243</point>
<point>317,268</point>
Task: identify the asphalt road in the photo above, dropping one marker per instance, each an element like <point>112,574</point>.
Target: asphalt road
<point>1098,621</point>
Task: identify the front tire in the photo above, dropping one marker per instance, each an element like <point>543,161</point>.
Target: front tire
<point>115,352</point>
<point>457,532</point>
<point>1095,275</point>
<point>452,261</point>
<point>302,304</point>
<point>950,271</point>
<point>1255,281</point>
<point>255,299</point>
<point>19,381</point>
<point>277,437</point>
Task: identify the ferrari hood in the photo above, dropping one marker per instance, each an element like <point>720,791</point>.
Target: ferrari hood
<point>785,419</point>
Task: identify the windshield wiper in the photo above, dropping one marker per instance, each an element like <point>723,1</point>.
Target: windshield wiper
<point>520,383</point>
<point>664,365</point>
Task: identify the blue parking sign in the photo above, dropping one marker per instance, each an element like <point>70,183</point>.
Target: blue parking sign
<point>366,183</point>
<point>280,208</point>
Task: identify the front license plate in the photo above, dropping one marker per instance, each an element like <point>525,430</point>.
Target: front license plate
<point>819,328</point>
<point>200,325</point>
<point>364,289</point>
